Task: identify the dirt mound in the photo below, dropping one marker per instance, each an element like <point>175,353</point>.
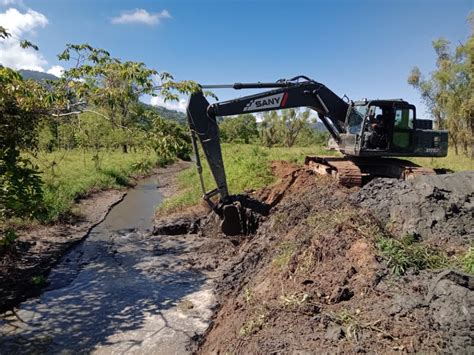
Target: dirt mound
<point>433,207</point>
<point>312,279</point>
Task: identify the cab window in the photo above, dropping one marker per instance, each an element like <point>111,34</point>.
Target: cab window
<point>404,118</point>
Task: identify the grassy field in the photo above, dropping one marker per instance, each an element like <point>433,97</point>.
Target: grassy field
<point>72,174</point>
<point>247,168</point>
<point>452,162</point>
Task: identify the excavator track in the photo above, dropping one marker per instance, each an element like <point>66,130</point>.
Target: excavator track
<point>346,172</point>
<point>357,171</point>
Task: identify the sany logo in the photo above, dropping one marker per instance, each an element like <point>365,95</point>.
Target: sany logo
<point>273,101</point>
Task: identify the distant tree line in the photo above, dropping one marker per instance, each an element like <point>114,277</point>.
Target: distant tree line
<point>286,128</point>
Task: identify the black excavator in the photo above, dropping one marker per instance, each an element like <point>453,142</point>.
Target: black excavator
<point>368,133</point>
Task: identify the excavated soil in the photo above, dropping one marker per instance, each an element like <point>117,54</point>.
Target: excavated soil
<point>436,208</point>
<point>310,279</point>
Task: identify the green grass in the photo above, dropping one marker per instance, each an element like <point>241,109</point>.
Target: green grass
<point>247,167</point>
<point>72,174</point>
<point>452,162</point>
<point>467,261</point>
<point>407,253</point>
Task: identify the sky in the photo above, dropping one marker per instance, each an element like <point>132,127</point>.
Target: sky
<point>363,49</point>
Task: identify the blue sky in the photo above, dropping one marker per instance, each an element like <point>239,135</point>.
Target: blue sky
<point>358,48</point>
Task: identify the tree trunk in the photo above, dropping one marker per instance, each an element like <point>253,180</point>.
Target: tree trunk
<point>472,137</point>
<point>124,148</point>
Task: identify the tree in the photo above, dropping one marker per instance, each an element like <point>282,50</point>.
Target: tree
<point>284,128</point>
<point>114,86</point>
<point>241,129</point>
<point>449,90</point>
<point>23,104</point>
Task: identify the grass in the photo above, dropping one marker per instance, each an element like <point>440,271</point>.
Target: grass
<point>253,325</point>
<point>452,162</point>
<point>285,252</point>
<point>72,174</point>
<point>247,167</point>
<point>407,253</point>
<point>467,261</point>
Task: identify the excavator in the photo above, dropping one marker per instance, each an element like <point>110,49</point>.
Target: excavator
<point>368,133</point>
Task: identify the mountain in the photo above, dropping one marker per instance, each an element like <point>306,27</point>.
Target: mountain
<point>172,115</point>
<point>36,75</point>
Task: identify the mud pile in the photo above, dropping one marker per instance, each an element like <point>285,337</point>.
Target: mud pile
<point>311,279</point>
<point>433,207</point>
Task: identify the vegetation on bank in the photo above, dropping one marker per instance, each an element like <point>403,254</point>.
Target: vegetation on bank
<point>248,167</point>
<point>68,175</point>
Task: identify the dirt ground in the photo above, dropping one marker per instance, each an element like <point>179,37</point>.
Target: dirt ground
<point>310,279</point>
<point>24,269</point>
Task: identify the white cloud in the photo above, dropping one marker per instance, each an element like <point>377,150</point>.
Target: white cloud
<point>11,2</point>
<point>141,16</point>
<point>56,70</point>
<point>18,25</point>
<point>170,105</point>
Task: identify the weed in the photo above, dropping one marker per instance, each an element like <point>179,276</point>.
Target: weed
<point>253,325</point>
<point>7,242</point>
<point>408,253</point>
<point>294,300</point>
<point>284,254</point>
<point>353,324</point>
<point>248,295</point>
<point>76,176</point>
<point>467,261</point>
<point>38,280</point>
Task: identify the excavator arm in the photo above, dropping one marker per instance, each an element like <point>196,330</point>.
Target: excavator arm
<point>294,93</point>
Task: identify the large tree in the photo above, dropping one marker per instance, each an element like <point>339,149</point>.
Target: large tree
<point>241,129</point>
<point>112,88</point>
<point>448,91</point>
<point>283,128</point>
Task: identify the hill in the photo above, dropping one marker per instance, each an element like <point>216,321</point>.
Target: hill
<point>172,115</point>
<point>36,75</point>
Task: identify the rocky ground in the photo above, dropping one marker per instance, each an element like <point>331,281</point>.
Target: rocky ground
<point>331,269</point>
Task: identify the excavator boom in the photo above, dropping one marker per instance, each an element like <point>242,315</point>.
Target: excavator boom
<point>202,116</point>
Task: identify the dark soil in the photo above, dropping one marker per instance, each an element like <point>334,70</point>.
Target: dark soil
<point>438,208</point>
<point>311,279</point>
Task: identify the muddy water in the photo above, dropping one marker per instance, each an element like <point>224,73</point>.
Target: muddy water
<point>120,290</point>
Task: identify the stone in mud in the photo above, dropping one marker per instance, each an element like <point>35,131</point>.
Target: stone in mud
<point>334,333</point>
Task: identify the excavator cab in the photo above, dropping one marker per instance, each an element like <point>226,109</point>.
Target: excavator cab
<point>390,128</point>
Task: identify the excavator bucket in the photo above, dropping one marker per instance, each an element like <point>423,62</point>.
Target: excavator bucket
<point>205,129</point>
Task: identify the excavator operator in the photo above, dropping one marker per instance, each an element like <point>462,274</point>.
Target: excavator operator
<point>376,137</point>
